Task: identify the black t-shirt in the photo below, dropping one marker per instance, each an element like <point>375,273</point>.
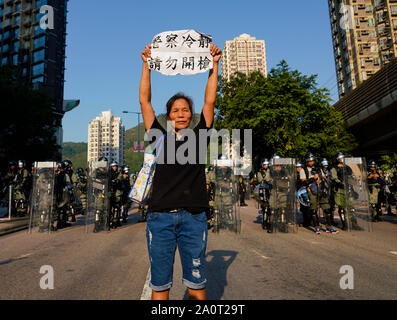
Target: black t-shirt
<point>175,185</point>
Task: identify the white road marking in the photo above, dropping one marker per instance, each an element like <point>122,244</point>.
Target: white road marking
<point>147,292</point>
<point>259,254</point>
<point>393,252</point>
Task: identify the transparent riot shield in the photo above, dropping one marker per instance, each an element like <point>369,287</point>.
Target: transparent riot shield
<point>355,205</point>
<point>42,206</point>
<point>98,202</point>
<point>226,211</point>
<point>282,195</point>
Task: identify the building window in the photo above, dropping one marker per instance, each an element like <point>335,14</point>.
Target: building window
<point>38,69</point>
<point>38,56</point>
<point>39,79</point>
<point>39,42</point>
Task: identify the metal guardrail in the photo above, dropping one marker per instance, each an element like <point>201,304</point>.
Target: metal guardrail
<point>381,84</point>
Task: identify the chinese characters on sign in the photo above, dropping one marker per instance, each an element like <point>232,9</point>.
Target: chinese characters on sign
<point>183,52</point>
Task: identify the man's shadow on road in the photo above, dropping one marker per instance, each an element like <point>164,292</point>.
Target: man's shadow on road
<point>217,264</point>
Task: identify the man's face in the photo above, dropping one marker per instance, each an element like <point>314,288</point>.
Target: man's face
<point>310,163</point>
<point>180,114</point>
<point>265,166</point>
<point>114,168</point>
<point>325,167</point>
<point>12,167</point>
<point>298,169</point>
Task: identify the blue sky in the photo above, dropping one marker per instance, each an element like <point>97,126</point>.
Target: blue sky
<point>105,38</point>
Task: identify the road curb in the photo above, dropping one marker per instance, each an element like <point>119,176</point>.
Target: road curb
<point>12,230</point>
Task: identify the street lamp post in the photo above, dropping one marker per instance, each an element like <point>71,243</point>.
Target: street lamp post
<point>139,122</point>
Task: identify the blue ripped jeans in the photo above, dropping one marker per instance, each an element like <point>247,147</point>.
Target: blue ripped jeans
<point>165,231</point>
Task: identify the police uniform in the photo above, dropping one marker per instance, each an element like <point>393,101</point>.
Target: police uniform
<point>21,191</point>
<point>116,194</point>
<point>81,187</point>
<point>375,187</point>
<point>242,190</point>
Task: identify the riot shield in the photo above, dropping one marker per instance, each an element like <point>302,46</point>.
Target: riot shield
<point>98,202</point>
<point>282,195</point>
<point>42,206</point>
<point>226,211</point>
<point>355,210</point>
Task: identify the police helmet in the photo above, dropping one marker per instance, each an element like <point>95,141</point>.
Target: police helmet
<point>339,157</point>
<point>60,166</point>
<point>372,164</point>
<point>324,162</point>
<point>21,163</point>
<point>223,157</point>
<point>210,168</point>
<point>67,163</point>
<point>265,162</point>
<point>12,163</point>
<point>114,164</point>
<point>298,165</point>
<point>309,157</point>
<point>126,169</point>
<point>276,156</point>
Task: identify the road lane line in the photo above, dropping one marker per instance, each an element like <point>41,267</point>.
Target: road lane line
<point>147,292</point>
<point>261,255</point>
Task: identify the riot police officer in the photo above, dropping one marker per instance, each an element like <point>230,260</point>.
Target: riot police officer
<point>116,192</point>
<point>126,187</point>
<point>241,191</point>
<point>318,190</point>
<point>308,177</point>
<point>22,184</point>
<point>9,180</point>
<point>61,198</point>
<point>375,187</point>
<point>100,197</point>
<point>225,195</point>
<point>392,196</point>
<point>71,181</point>
<point>345,207</point>
<point>265,183</point>
<point>325,170</point>
<point>81,188</point>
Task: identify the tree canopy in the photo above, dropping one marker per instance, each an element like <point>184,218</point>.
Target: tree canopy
<point>286,111</point>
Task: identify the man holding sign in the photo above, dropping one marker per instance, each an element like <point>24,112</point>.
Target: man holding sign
<point>177,208</point>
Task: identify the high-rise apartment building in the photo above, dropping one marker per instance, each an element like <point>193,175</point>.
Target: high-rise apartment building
<point>364,35</point>
<point>243,54</point>
<point>106,138</point>
<point>35,49</point>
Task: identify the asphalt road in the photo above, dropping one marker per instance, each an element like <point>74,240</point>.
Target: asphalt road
<point>251,265</point>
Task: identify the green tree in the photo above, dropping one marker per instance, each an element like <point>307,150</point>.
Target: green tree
<point>388,161</point>
<point>28,123</point>
<point>286,111</point>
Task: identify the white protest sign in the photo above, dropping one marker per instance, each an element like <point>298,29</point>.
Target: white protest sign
<point>183,52</point>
